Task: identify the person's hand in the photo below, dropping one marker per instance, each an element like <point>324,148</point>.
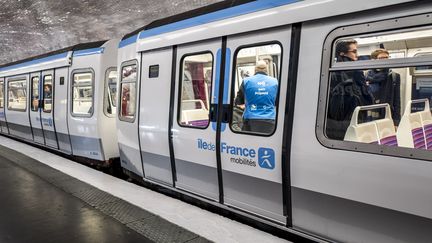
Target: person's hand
<point>241,106</point>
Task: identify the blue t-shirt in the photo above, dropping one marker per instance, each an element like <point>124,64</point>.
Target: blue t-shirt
<point>260,93</point>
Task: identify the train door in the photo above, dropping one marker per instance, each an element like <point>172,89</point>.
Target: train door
<point>127,125</point>
<point>35,111</point>
<point>154,115</point>
<point>251,143</point>
<point>3,126</point>
<point>193,135</point>
<point>60,108</point>
<point>47,109</point>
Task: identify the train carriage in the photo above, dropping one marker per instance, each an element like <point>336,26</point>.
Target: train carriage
<point>360,186</point>
<point>64,100</point>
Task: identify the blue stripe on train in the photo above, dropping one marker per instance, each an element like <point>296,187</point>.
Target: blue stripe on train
<point>210,17</point>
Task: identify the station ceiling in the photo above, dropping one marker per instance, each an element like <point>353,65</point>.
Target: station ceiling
<point>29,28</point>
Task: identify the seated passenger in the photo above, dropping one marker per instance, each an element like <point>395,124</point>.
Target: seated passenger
<point>347,91</point>
<point>384,84</point>
<point>257,96</point>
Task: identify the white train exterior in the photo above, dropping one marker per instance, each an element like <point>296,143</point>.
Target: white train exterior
<point>60,101</point>
<point>343,190</point>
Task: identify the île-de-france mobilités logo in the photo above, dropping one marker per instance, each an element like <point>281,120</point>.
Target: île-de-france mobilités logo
<point>266,158</point>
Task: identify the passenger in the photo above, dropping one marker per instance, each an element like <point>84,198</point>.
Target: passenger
<point>257,97</point>
<point>348,90</point>
<point>384,85</point>
<point>35,102</point>
<point>47,91</point>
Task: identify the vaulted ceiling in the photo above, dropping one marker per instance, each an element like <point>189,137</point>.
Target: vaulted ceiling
<point>29,28</point>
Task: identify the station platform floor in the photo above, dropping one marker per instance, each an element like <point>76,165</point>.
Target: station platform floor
<point>48,198</point>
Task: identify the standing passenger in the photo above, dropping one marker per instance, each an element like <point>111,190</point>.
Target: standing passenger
<point>347,91</point>
<point>257,95</point>
<point>385,85</point>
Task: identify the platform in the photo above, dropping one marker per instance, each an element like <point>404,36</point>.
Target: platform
<point>47,198</point>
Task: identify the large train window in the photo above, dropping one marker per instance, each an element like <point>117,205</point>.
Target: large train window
<point>128,93</point>
<point>17,95</point>
<point>195,87</point>
<point>1,94</point>
<point>110,94</point>
<point>82,92</point>
<point>47,93</point>
<point>255,89</point>
<point>378,89</point>
<point>35,94</point>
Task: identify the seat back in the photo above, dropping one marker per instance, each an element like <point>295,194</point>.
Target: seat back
<point>380,131</point>
<point>414,128</point>
<point>192,116</point>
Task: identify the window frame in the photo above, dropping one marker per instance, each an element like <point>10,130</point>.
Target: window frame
<point>17,79</point>
<point>52,93</point>
<point>105,102</point>
<point>32,90</point>
<point>119,89</point>
<point>78,71</point>
<point>180,87</point>
<point>397,25</point>
<point>2,82</point>
<point>232,88</point>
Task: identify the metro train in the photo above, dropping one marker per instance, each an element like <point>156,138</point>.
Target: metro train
<point>180,126</point>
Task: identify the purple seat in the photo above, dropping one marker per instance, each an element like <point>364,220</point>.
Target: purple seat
<point>418,137</point>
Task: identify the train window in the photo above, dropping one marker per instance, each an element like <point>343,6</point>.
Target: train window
<point>17,95</point>
<point>110,92</point>
<point>153,71</point>
<point>128,93</point>
<point>47,93</point>
<point>82,93</point>
<point>1,95</point>
<point>378,90</point>
<point>196,82</point>
<point>255,89</point>
<point>35,94</point>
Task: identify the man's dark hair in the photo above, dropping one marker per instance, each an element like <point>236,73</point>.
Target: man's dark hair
<point>343,46</point>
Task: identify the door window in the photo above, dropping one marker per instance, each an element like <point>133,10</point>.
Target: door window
<point>255,89</point>
<point>195,88</point>
<point>35,94</point>
<point>47,94</point>
<point>128,93</point>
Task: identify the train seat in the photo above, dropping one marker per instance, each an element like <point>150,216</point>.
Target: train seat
<point>194,113</point>
<point>386,132</point>
<point>196,117</point>
<point>380,131</point>
<point>426,117</point>
<point>363,133</point>
<point>414,126</point>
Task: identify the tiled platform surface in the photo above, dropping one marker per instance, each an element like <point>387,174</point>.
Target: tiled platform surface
<point>152,215</point>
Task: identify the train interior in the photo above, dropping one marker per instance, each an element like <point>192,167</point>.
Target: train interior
<point>82,93</point>
<point>196,89</point>
<point>246,60</point>
<point>17,94</point>
<point>404,91</point>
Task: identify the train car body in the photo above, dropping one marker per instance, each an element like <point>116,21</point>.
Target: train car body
<point>64,100</point>
<point>182,129</point>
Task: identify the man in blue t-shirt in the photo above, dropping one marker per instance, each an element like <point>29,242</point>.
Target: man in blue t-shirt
<point>257,96</point>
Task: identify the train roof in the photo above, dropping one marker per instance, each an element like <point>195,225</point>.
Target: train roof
<point>54,54</point>
<point>241,16</point>
<point>189,14</point>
